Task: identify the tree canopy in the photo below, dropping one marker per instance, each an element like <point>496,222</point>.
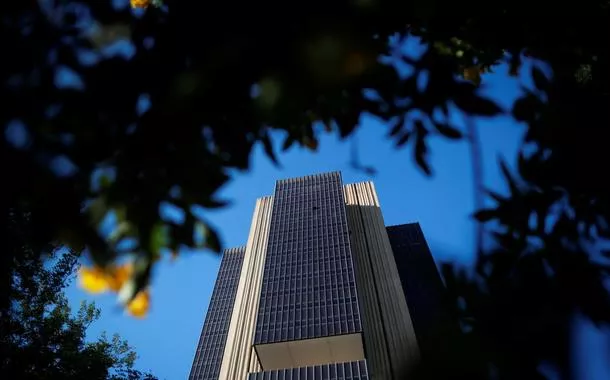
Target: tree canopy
<point>40,337</point>
<point>196,85</point>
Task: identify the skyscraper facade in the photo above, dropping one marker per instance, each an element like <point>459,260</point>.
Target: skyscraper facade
<point>322,290</point>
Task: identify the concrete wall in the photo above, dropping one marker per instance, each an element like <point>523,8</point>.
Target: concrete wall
<point>390,342</point>
<point>239,357</point>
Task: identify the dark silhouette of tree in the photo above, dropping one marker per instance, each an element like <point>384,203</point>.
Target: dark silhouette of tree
<point>40,337</point>
<point>199,84</point>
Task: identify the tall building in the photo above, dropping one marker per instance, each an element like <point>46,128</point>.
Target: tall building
<point>322,290</point>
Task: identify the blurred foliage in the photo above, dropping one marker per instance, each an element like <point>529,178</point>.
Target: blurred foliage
<point>40,337</point>
<point>166,119</point>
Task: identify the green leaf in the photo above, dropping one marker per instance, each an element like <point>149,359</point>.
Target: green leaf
<point>120,212</point>
<point>105,181</point>
<point>97,210</point>
<point>158,238</point>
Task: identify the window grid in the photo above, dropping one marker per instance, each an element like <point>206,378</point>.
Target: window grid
<point>336,371</point>
<point>208,357</point>
<point>308,287</point>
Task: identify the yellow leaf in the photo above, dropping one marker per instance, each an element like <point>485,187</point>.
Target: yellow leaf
<point>140,3</point>
<point>473,74</point>
<point>138,307</point>
<point>93,280</point>
<point>118,275</point>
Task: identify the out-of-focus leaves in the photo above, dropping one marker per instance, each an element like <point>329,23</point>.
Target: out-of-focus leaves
<point>421,148</point>
<point>310,143</point>
<point>166,113</point>
<point>186,100</point>
<point>158,238</point>
<point>526,108</point>
<point>139,306</point>
<point>268,146</point>
<point>397,127</point>
<point>212,240</point>
<point>477,105</point>
<point>448,131</point>
<point>93,280</point>
<point>540,80</point>
<point>485,215</point>
<point>510,180</point>
<point>403,139</point>
<point>473,74</point>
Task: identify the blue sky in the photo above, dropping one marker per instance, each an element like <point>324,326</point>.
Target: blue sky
<point>166,339</point>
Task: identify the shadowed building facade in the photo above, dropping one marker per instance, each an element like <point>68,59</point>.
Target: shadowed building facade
<point>321,291</point>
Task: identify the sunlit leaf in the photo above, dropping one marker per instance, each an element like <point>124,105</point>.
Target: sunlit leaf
<point>140,3</point>
<point>118,275</point>
<point>93,280</point>
<point>139,306</point>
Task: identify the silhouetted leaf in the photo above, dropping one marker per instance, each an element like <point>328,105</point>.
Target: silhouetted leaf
<point>421,148</point>
<point>477,105</point>
<point>495,196</point>
<point>526,108</point>
<point>448,131</point>
<point>403,139</point>
<point>485,215</point>
<point>398,126</point>
<point>540,80</point>
<point>269,151</point>
<point>512,183</point>
<point>212,240</point>
<point>215,203</point>
<point>310,143</point>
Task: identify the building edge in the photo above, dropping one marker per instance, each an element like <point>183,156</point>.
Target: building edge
<point>239,357</point>
<point>390,340</point>
<point>207,358</point>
